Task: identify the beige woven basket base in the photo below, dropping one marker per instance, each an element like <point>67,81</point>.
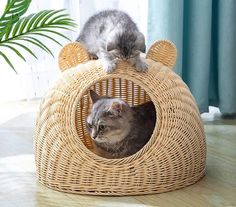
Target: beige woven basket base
<point>173,158</point>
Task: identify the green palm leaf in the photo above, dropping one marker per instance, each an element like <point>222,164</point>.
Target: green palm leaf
<point>42,24</point>
<point>38,43</point>
<point>12,12</point>
<point>24,47</point>
<point>7,60</point>
<point>52,31</point>
<point>14,50</point>
<point>44,35</point>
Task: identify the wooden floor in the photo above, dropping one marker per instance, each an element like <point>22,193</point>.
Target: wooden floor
<point>19,187</point>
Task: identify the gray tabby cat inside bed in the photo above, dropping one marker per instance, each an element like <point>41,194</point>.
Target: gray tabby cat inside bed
<point>118,130</point>
<point>111,35</point>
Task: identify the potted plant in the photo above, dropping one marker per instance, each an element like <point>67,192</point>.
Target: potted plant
<point>16,30</point>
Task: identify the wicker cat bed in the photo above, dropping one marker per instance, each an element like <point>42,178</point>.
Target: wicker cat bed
<point>173,158</point>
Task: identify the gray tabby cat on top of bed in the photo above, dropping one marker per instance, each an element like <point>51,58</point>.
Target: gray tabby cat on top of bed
<point>111,35</point>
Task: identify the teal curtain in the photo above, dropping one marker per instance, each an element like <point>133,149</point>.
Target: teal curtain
<point>204,32</point>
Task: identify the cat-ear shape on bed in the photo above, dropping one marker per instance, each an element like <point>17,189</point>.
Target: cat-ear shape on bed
<point>71,55</point>
<point>163,51</point>
<point>74,53</point>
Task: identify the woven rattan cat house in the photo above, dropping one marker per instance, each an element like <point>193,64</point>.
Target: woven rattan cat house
<point>173,158</point>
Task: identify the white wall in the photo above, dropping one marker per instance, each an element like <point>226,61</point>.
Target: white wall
<point>35,76</point>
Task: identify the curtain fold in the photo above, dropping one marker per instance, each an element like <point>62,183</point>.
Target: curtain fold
<point>204,32</point>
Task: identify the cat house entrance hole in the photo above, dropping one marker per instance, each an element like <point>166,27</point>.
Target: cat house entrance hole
<point>125,89</point>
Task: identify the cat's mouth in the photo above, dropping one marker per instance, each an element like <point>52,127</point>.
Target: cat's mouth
<point>100,139</point>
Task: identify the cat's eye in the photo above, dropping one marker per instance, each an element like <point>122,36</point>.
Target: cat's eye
<point>135,54</point>
<point>89,125</point>
<point>102,127</point>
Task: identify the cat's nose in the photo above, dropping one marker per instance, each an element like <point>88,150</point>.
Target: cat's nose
<point>94,135</point>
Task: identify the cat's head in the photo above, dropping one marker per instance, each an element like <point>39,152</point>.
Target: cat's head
<point>109,120</point>
<point>126,45</point>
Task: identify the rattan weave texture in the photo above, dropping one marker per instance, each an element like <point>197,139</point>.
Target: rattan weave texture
<point>174,157</point>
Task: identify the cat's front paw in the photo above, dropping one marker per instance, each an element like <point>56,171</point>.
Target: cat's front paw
<point>109,66</point>
<point>141,66</point>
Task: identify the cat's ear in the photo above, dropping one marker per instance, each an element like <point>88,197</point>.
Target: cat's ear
<point>93,96</point>
<point>140,42</point>
<point>116,109</point>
